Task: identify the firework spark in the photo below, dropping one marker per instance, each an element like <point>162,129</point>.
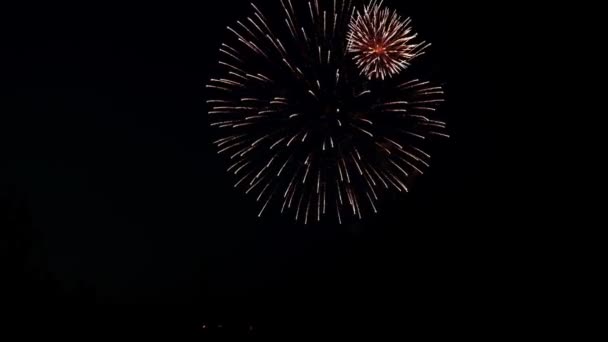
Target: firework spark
<point>382,43</point>
<point>302,128</point>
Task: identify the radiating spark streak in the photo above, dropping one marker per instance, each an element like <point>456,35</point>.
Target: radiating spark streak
<point>229,147</point>
<point>428,101</point>
<point>218,101</point>
<point>439,134</point>
<point>242,179</point>
<point>284,205</point>
<point>312,16</point>
<point>223,123</point>
<point>400,168</point>
<point>357,207</point>
<point>283,167</point>
<point>238,75</point>
<point>268,111</point>
<point>283,50</point>
<point>242,125</point>
<point>421,117</point>
<point>324,23</point>
<point>319,207</point>
<point>292,196</point>
<point>346,170</point>
<point>429,109</point>
<point>264,207</point>
<point>421,152</point>
<point>350,200</point>
<point>250,99</point>
<point>305,35</point>
<point>253,184</point>
<point>411,155</point>
<point>277,143</point>
<point>307,171</point>
<point>392,110</point>
<point>246,29</point>
<point>324,198</point>
<point>263,21</point>
<point>379,177</point>
<point>291,184</point>
<point>246,151</point>
<point>416,135</point>
<point>291,29</point>
<point>319,181</point>
<point>369,176</point>
<point>288,65</point>
<point>435,125</point>
<point>217,88</point>
<point>289,17</point>
<point>236,32</point>
<point>229,82</point>
<point>237,164</point>
<point>410,83</point>
<point>392,182</point>
<point>225,141</point>
<point>365,92</point>
<point>313,94</point>
<point>394,103</point>
<point>230,48</point>
<point>299,206</point>
<point>262,193</point>
<point>264,77</point>
<point>231,55</point>
<point>411,165</point>
<point>292,139</point>
<point>307,210</point>
<point>384,148</point>
<point>256,26</point>
<point>255,77</point>
<point>363,130</point>
<point>371,187</point>
<point>398,181</point>
<point>357,164</point>
<point>241,168</point>
<point>291,6</point>
<point>372,203</point>
<point>394,143</point>
<point>232,67</point>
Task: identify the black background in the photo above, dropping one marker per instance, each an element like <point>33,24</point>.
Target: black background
<point>116,214</point>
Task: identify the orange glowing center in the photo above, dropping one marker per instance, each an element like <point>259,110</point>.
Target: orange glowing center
<point>379,50</point>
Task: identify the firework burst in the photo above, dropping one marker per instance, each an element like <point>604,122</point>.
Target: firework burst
<point>301,128</point>
<point>382,43</point>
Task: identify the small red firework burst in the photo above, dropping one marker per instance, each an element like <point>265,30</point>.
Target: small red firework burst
<point>382,43</point>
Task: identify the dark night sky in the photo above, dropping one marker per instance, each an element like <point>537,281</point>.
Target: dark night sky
<point>116,213</point>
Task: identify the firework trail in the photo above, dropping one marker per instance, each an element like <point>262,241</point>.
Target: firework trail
<point>306,124</point>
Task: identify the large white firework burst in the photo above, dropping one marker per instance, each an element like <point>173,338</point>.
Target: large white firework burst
<point>382,43</point>
<point>302,129</point>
